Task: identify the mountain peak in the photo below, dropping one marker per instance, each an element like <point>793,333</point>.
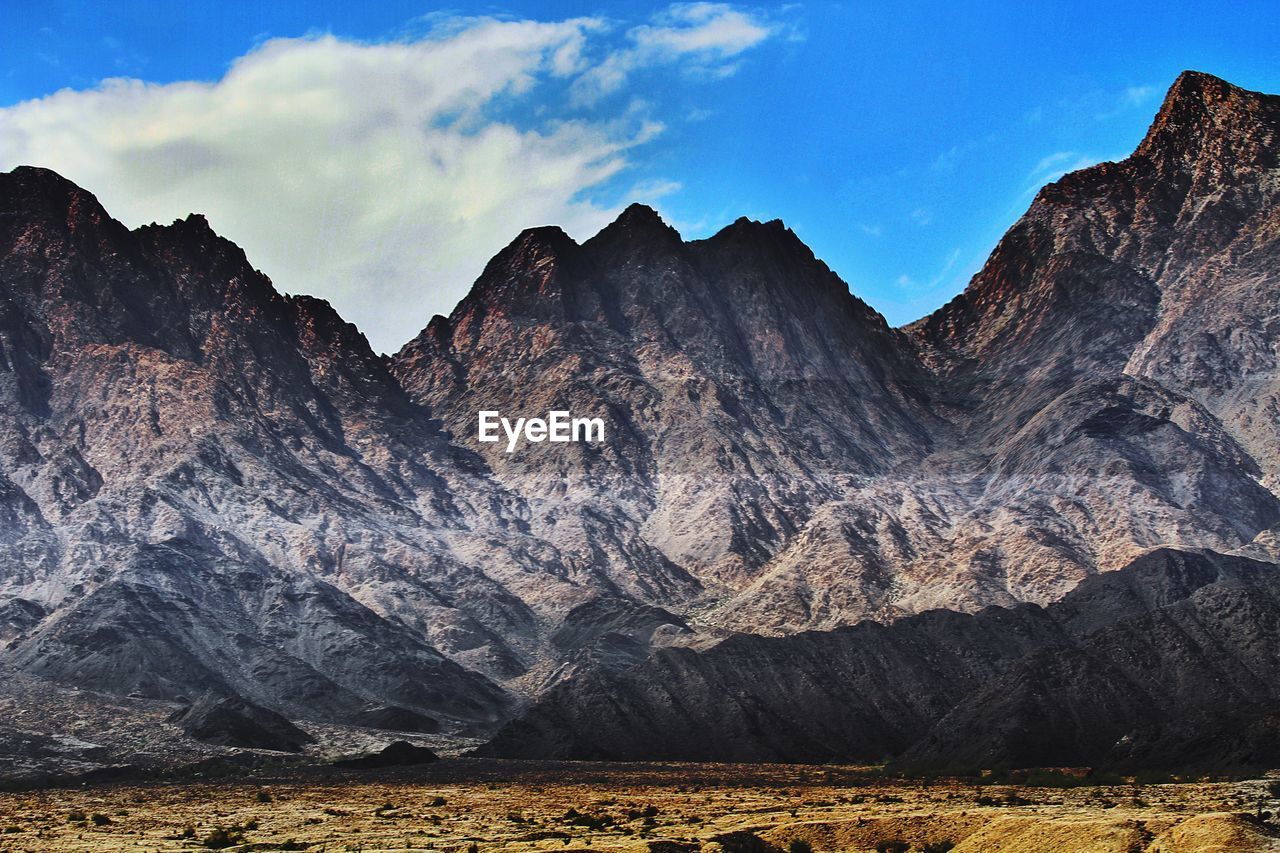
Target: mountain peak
<point>37,177</point>
<point>1200,106</point>
<point>636,219</point>
<point>1197,85</point>
<point>38,194</point>
<point>639,214</point>
<point>744,223</point>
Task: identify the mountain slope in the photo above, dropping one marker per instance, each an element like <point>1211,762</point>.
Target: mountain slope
<point>1169,662</point>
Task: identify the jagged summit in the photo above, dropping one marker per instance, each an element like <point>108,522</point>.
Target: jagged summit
<point>35,181</point>
<point>639,214</point>
<point>31,196</point>
<point>1206,119</point>
<point>638,228</point>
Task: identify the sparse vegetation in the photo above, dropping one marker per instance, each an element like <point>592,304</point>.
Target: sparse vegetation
<point>224,836</point>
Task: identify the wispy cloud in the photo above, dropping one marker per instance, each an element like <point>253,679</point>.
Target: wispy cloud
<point>1136,96</point>
<point>377,174</point>
<point>1132,97</point>
<point>1054,166</point>
<point>704,39</point>
<point>651,191</point>
<point>942,277</point>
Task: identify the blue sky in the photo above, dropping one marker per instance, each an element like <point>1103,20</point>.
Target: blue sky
<point>376,154</point>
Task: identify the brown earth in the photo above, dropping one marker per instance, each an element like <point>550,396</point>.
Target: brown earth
<point>461,805</point>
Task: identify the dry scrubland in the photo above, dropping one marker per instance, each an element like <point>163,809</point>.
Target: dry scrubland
<point>463,805</point>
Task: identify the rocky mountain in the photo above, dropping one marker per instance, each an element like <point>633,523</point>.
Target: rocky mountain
<point>210,489</point>
<point>810,467</point>
<point>1115,674</point>
<point>204,482</point>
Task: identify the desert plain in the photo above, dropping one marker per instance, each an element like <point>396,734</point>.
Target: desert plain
<point>461,804</point>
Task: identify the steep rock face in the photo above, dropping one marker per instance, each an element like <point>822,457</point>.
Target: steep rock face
<point>1122,284</point>
<point>1147,666</point>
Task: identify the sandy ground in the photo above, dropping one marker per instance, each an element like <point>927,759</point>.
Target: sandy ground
<point>463,805</point>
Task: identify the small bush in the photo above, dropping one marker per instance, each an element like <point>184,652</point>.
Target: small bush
<point>1274,789</point>
<point>264,796</point>
<point>937,847</point>
<point>100,819</point>
<point>224,836</point>
<point>76,816</point>
<point>439,801</point>
<point>800,846</point>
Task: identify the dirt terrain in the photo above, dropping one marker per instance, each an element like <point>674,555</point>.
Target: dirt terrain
<point>463,805</point>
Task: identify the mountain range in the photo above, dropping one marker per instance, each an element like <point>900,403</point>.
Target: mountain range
<point>211,492</point>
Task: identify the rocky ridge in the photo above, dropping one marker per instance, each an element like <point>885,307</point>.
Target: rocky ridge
<point>1169,663</point>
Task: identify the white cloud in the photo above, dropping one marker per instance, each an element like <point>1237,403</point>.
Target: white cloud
<point>702,38</point>
<point>374,175</point>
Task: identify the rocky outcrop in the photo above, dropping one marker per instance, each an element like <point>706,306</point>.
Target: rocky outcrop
<point>396,720</point>
<point>396,754</point>
<point>233,722</point>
